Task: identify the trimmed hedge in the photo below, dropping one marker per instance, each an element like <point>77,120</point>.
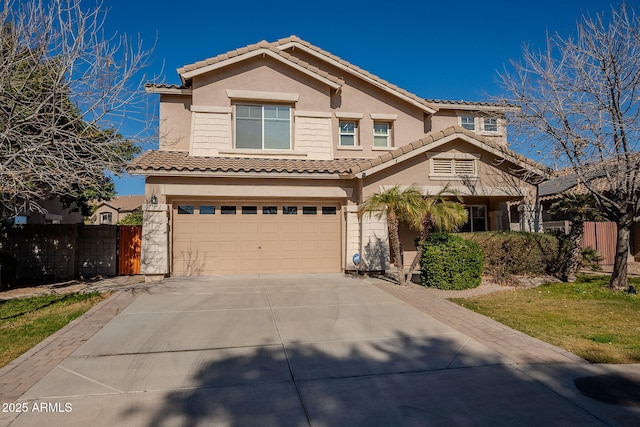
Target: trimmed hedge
<point>451,262</point>
<point>517,253</point>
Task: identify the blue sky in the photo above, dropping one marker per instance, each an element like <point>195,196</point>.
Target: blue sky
<point>438,50</point>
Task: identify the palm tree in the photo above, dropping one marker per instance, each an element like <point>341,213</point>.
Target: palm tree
<point>438,213</point>
<point>578,208</point>
<point>396,205</point>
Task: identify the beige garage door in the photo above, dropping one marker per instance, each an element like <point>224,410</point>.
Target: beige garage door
<point>222,237</point>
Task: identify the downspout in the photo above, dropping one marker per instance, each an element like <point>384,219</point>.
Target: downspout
<point>360,235</point>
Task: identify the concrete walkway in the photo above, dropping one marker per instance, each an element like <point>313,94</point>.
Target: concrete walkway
<point>322,350</point>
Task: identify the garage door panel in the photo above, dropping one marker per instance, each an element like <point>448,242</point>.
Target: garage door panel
<point>233,244</point>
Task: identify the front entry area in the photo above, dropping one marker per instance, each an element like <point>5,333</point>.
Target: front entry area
<point>219,237</point>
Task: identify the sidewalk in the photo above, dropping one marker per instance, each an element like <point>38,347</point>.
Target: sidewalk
<point>21,374</point>
<point>517,346</point>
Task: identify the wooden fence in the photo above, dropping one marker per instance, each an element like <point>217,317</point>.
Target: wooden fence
<point>38,254</point>
<point>601,236</point>
<point>129,244</point>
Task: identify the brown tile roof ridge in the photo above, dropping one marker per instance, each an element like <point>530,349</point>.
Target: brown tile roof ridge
<point>124,203</point>
<point>353,67</point>
<point>252,47</point>
<point>181,161</point>
<point>471,103</point>
<point>435,136</point>
<point>165,86</point>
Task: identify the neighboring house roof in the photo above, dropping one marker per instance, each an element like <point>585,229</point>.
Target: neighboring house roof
<point>123,203</point>
<point>163,162</point>
<point>598,174</point>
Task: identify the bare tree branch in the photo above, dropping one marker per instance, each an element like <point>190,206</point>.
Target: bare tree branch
<point>579,108</point>
<point>66,90</point>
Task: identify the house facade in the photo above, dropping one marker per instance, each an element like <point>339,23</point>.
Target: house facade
<point>267,151</point>
<point>110,212</point>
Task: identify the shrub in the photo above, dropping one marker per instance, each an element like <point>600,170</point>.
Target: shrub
<point>517,253</point>
<point>451,262</point>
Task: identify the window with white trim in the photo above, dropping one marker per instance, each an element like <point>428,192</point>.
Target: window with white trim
<point>490,124</point>
<point>381,134</point>
<point>453,167</point>
<point>263,127</point>
<point>468,122</point>
<point>106,218</point>
<point>348,133</point>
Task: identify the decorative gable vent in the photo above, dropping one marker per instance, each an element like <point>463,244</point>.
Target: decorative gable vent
<point>453,167</point>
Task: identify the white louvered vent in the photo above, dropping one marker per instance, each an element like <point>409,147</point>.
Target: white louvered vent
<point>465,167</point>
<point>442,166</point>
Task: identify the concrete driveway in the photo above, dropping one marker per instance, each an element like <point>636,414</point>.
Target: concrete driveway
<point>321,350</point>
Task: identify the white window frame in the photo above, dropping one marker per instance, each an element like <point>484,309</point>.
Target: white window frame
<point>354,134</point>
<point>464,125</point>
<point>484,125</point>
<point>108,215</point>
<point>262,120</point>
<point>387,135</point>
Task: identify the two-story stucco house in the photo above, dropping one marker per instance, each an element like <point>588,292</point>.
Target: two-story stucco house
<point>266,152</point>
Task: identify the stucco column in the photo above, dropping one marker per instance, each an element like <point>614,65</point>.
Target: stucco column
<point>375,243</point>
<point>352,236</point>
<point>154,262</point>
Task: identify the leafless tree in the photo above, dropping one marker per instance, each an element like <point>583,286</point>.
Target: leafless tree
<point>66,90</point>
<point>579,101</point>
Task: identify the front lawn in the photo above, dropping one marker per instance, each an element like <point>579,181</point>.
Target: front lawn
<point>584,317</point>
<point>24,322</point>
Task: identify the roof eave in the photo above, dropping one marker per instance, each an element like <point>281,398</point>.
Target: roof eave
<point>425,106</point>
<point>186,76</point>
<point>448,135</point>
<point>168,91</point>
<point>237,174</point>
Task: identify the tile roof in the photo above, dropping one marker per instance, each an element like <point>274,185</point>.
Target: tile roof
<point>181,161</point>
<point>353,68</point>
<point>124,203</point>
<point>164,86</point>
<point>263,45</point>
<point>472,103</point>
<point>275,48</point>
<point>435,136</point>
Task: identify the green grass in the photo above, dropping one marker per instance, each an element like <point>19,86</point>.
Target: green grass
<point>585,318</point>
<point>24,322</point>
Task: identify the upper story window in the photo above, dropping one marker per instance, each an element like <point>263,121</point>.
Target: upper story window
<point>468,122</point>
<point>263,127</point>
<point>106,218</point>
<point>381,134</point>
<point>348,133</point>
<point>490,124</point>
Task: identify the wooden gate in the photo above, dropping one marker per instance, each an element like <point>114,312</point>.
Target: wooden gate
<point>129,243</point>
<point>601,236</point>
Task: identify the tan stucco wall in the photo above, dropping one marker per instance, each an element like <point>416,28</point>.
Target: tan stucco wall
<point>492,174</point>
<point>115,217</point>
<point>175,122</point>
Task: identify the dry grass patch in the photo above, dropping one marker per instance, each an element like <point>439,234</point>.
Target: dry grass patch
<point>25,322</point>
<point>585,318</point>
